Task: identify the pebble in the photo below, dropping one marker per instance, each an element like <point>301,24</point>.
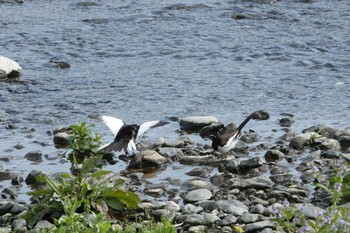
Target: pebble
<point>259,225</point>
<point>255,182</point>
<point>198,195</point>
<point>228,220</point>
<point>196,184</point>
<point>273,155</point>
<point>248,217</point>
<point>202,219</point>
<point>35,155</point>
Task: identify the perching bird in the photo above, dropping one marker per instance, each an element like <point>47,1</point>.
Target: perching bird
<point>125,136</point>
<point>227,140</point>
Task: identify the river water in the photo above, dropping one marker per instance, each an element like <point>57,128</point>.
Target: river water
<point>146,60</point>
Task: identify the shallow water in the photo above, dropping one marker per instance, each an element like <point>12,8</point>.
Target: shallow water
<point>146,60</point>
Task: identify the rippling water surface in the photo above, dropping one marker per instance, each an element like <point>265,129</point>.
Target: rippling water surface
<point>145,60</point>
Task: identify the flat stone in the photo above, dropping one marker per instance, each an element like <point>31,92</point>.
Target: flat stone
<point>18,208</point>
<point>198,195</point>
<point>228,220</point>
<point>195,229</point>
<point>43,224</point>
<point>273,155</point>
<point>171,152</point>
<point>61,139</point>
<point>202,219</point>
<point>19,225</point>
<point>196,184</point>
<point>259,225</point>
<point>197,122</point>
<point>255,182</point>
<point>234,207</point>
<point>248,218</point>
<point>192,209</point>
<point>7,175</point>
<point>257,209</point>
<point>147,158</point>
<point>160,213</point>
<point>6,207</point>
<point>198,171</point>
<point>35,155</point>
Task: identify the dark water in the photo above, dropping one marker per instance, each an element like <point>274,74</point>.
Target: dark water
<point>146,60</point>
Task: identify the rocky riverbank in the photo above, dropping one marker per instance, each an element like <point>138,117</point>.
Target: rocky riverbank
<point>241,189</point>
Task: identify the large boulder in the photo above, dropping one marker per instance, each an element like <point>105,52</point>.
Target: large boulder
<point>9,68</point>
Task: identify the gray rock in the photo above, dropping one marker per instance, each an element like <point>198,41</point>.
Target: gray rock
<point>255,182</point>
<point>5,219</point>
<point>309,210</point>
<point>228,220</point>
<point>18,208</point>
<point>273,155</point>
<point>197,122</point>
<point>195,229</point>
<point>61,139</point>
<point>303,140</point>
<point>282,178</point>
<point>191,209</point>
<point>6,207</point>
<point>17,180</point>
<point>330,154</point>
<point>9,68</point>
<point>210,130</point>
<point>250,137</point>
<point>344,141</point>
<point>234,166</point>
<point>202,219</point>
<point>35,155</point>
<point>7,175</point>
<point>258,209</point>
<point>248,218</point>
<point>19,225</point>
<point>190,159</point>
<point>315,155</point>
<point>156,192</point>
<point>43,225</point>
<point>328,144</point>
<point>259,225</point>
<point>198,171</point>
<point>160,213</point>
<point>196,184</point>
<point>147,158</point>
<point>267,230</point>
<point>324,130</point>
<point>286,122</point>
<point>261,115</point>
<point>198,195</point>
<point>171,152</point>
<point>232,206</point>
<point>31,178</point>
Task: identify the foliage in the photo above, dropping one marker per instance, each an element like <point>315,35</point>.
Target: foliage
<point>85,200</point>
<point>83,143</point>
<point>335,218</point>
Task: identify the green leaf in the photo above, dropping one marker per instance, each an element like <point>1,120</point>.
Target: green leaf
<point>116,204</point>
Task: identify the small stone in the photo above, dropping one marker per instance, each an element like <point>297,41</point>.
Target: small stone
<point>17,180</point>
<point>7,175</point>
<point>202,219</point>
<point>330,154</point>
<point>228,220</point>
<point>192,209</point>
<point>31,178</point>
<point>258,209</point>
<point>251,163</point>
<point>261,115</point>
<point>195,229</point>
<point>6,207</point>
<point>248,218</point>
<point>273,155</point>
<point>5,220</point>
<point>157,192</point>
<point>286,122</point>
<point>18,208</point>
<point>44,225</point>
<point>234,207</point>
<point>61,139</point>
<point>198,195</point>
<point>259,225</point>
<point>344,141</point>
<point>196,184</point>
<point>250,137</point>
<point>34,155</point>
<point>19,225</point>
<point>147,158</point>
<point>160,213</point>
<point>323,130</point>
<point>282,179</point>
<point>197,122</point>
<point>198,171</point>
<point>255,182</point>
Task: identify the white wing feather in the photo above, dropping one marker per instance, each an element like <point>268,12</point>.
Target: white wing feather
<point>145,127</point>
<point>114,124</point>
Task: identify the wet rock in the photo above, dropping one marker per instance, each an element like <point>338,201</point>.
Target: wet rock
<point>261,115</point>
<point>198,195</point>
<point>323,130</point>
<point>147,158</point>
<point>5,220</point>
<point>17,209</point>
<point>61,139</point>
<point>311,156</point>
<point>31,179</point>
<point>309,210</point>
<point>7,175</point>
<point>156,192</point>
<point>283,179</point>
<point>17,180</point>
<point>35,155</point>
<point>9,68</point>
<point>198,171</point>
<point>258,209</point>
<point>286,122</point>
<point>228,220</point>
<point>328,144</point>
<point>330,154</point>
<point>232,206</point>
<point>196,184</point>
<point>170,152</point>
<point>259,225</point>
<point>255,182</point>
<point>6,207</point>
<point>19,225</point>
<point>57,63</point>
<point>178,143</point>
<point>210,130</point>
<point>248,218</point>
<point>205,159</point>
<point>10,192</point>
<point>303,140</point>
<point>344,141</point>
<point>250,137</point>
<point>244,165</point>
<point>273,155</point>
<point>197,122</point>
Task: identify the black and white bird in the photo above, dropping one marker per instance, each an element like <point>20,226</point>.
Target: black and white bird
<point>126,136</point>
<point>227,139</point>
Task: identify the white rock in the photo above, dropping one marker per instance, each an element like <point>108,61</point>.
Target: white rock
<point>8,66</point>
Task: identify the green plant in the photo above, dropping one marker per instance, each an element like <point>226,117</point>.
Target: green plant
<point>83,143</point>
<point>335,218</point>
<point>86,200</point>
